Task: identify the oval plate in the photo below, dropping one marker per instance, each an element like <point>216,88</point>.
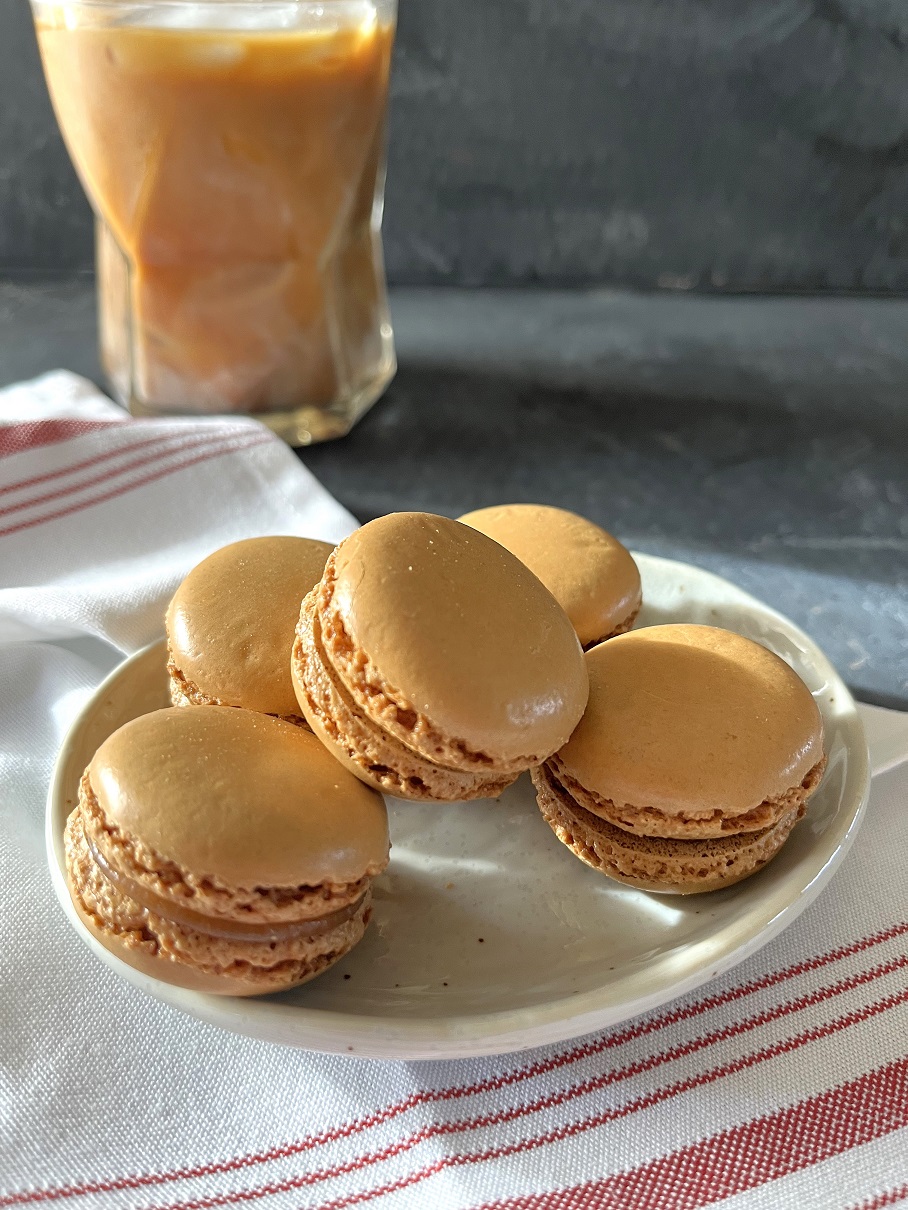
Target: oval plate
<point>488,935</point>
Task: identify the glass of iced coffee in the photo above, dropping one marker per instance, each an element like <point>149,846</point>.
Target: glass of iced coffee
<point>233,152</point>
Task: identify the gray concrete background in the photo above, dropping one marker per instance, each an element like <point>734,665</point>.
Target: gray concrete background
<point>719,144</point>
<point>698,145</point>
<point>764,439</point>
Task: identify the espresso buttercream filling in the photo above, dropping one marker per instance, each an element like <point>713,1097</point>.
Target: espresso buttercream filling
<point>229,930</point>
<point>645,820</point>
<point>651,862</point>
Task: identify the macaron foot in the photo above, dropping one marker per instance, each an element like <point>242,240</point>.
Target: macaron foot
<point>621,628</point>
<point>688,825</point>
<point>184,692</point>
<point>660,864</point>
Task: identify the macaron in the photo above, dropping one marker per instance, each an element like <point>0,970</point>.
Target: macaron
<point>433,663</point>
<point>223,851</point>
<point>230,624</point>
<point>694,760</point>
<point>588,572</point>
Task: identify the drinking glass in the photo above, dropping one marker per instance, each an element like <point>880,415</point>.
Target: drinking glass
<point>233,152</point>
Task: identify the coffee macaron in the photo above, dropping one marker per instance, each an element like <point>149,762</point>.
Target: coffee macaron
<point>589,573</point>
<point>433,663</point>
<point>694,760</point>
<point>231,622</point>
<point>223,850</point>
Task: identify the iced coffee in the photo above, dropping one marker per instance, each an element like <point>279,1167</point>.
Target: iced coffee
<point>234,155</point>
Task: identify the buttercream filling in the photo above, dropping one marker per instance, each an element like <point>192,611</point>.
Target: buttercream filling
<point>228,930</point>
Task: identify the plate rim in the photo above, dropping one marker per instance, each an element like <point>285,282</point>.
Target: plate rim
<point>461,1035</point>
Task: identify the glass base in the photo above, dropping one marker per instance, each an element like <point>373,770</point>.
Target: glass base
<point>299,426</point>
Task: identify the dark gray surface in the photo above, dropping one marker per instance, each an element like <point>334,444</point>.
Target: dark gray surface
<point>761,439</point>
<point>744,144</point>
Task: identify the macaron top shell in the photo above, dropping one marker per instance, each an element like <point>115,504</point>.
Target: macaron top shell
<point>591,575</point>
<point>239,797</point>
<point>460,630</point>
<point>230,623</point>
<point>689,719</point>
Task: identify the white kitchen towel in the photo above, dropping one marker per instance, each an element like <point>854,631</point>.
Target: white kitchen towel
<point>784,1083</point>
<point>101,515</point>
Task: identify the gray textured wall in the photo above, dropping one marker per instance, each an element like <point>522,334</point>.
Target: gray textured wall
<point>745,144</point>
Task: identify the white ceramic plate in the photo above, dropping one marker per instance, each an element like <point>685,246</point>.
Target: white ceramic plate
<point>488,935</point>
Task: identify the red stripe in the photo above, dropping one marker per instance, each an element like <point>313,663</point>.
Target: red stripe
<point>228,448</point>
<point>746,1156</point>
<point>889,1198</point>
<point>95,460</point>
<point>429,1096</point>
<point>595,1084</point>
<point>573,1129</point>
<point>30,434</point>
<point>169,444</point>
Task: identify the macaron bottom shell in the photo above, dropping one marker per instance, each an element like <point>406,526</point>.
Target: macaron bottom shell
<point>217,983</point>
<point>169,949</point>
<point>659,864</point>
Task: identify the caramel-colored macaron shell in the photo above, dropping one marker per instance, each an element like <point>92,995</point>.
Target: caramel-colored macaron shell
<point>666,866</point>
<point>457,627</point>
<point>240,797</point>
<point>365,748</point>
<point>691,720</point>
<point>589,573</point>
<point>230,623</point>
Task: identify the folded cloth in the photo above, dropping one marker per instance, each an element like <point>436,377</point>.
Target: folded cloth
<point>784,1083</point>
<point>101,516</point>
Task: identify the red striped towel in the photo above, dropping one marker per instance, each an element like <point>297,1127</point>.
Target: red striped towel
<point>782,1084</point>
